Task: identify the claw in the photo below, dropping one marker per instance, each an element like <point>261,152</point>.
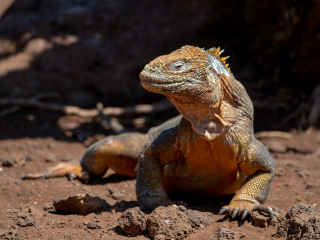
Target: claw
<point>222,211</point>
<point>71,177</point>
<point>276,214</point>
<point>235,213</point>
<point>245,213</point>
<point>271,215</point>
<point>264,209</point>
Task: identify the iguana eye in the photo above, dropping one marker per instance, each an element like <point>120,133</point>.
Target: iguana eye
<point>178,66</point>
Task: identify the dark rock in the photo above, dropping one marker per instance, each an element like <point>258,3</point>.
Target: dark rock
<point>7,162</point>
<point>81,204</point>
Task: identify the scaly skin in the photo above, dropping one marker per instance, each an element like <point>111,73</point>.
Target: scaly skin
<point>213,150</point>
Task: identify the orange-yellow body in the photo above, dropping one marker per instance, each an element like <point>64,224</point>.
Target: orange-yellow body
<point>209,150</point>
<point>207,168</point>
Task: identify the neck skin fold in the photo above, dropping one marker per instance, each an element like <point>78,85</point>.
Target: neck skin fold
<point>205,117</point>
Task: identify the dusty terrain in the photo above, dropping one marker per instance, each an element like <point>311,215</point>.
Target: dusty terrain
<point>34,141</point>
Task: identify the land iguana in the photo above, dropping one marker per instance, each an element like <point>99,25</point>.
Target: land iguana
<point>210,150</point>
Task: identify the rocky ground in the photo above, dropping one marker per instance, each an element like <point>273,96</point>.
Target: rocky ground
<point>33,141</point>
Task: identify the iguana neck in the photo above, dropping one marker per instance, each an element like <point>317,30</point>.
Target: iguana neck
<point>205,117</point>
<point>211,119</point>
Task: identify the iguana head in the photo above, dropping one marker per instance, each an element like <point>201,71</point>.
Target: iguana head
<point>202,87</point>
<point>188,71</point>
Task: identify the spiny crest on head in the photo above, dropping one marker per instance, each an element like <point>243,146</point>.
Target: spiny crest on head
<point>216,52</point>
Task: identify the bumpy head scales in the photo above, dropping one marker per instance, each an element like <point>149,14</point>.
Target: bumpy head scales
<point>184,70</point>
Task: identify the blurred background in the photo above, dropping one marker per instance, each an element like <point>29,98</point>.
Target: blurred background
<point>92,51</point>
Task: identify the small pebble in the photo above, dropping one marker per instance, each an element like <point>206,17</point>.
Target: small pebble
<point>7,162</point>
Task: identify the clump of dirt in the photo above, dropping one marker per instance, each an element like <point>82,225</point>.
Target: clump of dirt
<point>262,220</point>
<point>311,230</point>
<point>25,222</point>
<point>173,223</point>
<point>169,222</point>
<point>81,204</point>
<point>94,224</point>
<point>9,234</point>
<point>226,234</point>
<point>300,222</point>
<point>198,219</point>
<point>133,221</point>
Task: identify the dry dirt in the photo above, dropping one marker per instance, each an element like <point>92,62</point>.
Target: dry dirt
<point>34,141</point>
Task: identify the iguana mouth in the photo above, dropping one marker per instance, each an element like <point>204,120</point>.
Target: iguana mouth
<point>161,81</point>
<point>162,84</point>
<point>154,80</point>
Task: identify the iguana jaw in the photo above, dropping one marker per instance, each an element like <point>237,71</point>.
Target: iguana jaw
<point>155,83</point>
<point>159,82</point>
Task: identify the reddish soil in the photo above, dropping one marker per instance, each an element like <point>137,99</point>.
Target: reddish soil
<point>43,136</point>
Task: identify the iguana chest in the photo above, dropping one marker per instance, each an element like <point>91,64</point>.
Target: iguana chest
<point>205,167</point>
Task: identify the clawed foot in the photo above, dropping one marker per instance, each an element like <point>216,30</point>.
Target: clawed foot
<point>244,208</point>
<point>71,169</point>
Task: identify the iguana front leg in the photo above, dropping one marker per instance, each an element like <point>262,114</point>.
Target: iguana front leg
<point>258,165</point>
<point>158,152</point>
<point>150,185</point>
